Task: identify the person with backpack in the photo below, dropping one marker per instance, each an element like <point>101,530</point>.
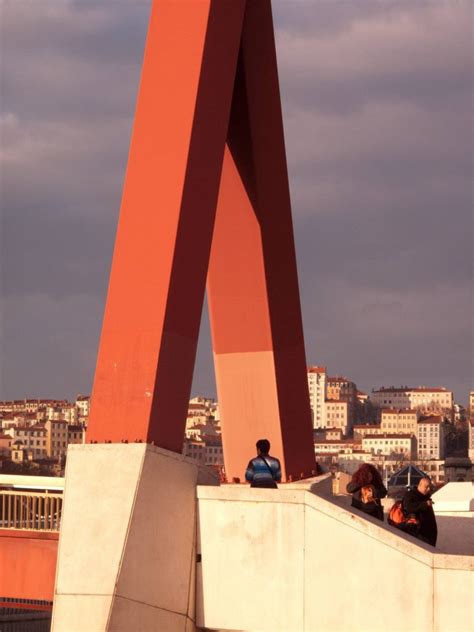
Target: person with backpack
<point>263,470</point>
<point>367,489</point>
<point>418,506</point>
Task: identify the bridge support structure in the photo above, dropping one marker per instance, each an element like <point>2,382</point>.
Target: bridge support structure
<point>127,549</point>
<point>206,196</point>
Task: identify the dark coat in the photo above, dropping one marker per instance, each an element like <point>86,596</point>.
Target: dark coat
<point>374,508</point>
<point>416,504</point>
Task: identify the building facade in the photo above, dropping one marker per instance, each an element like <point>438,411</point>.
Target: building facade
<point>470,427</point>
<point>431,438</point>
<point>83,403</point>
<point>362,430</point>
<point>76,434</point>
<point>390,444</point>
<point>6,441</point>
<point>423,399</point>
<point>404,421</point>
<point>342,389</point>
<point>317,394</point>
<point>336,415</point>
<point>57,437</point>
<point>34,439</point>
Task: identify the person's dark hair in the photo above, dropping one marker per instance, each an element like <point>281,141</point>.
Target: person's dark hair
<point>367,474</point>
<point>263,446</point>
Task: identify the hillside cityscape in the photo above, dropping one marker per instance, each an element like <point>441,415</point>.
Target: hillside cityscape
<point>389,427</point>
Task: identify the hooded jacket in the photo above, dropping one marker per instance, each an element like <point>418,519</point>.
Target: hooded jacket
<point>374,508</point>
<point>415,504</point>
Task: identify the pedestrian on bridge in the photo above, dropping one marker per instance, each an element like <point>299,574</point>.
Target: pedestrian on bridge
<point>367,489</point>
<point>264,470</point>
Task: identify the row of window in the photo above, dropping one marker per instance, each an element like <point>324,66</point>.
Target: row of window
<point>387,442</point>
<point>398,425</point>
<point>214,460</point>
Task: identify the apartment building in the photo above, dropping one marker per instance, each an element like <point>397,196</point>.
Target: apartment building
<point>362,430</point>
<point>327,433</point>
<point>336,415</point>
<point>342,389</point>
<point>195,449</point>
<point>69,413</point>
<point>470,426</point>
<point>423,399</point>
<point>6,441</point>
<point>76,434</point>
<point>333,446</point>
<point>387,444</point>
<point>57,437</point>
<point>83,404</point>
<point>32,438</point>
<point>404,421</point>
<point>214,454</point>
<point>317,394</point>
<point>431,437</point>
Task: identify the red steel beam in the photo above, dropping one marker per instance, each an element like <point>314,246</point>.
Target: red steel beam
<point>252,282</point>
<point>191,87</point>
<point>157,284</point>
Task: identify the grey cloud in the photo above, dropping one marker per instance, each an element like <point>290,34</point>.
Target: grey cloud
<point>377,102</point>
<point>419,52</point>
<point>51,344</point>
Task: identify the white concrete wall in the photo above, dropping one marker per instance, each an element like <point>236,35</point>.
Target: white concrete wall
<point>290,560</point>
<point>294,559</point>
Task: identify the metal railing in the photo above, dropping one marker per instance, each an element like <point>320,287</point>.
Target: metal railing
<point>30,510</point>
<point>12,605</point>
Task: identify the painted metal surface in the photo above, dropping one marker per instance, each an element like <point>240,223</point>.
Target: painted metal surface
<point>209,78</point>
<point>28,564</point>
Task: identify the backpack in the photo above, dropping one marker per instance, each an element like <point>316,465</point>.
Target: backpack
<point>397,517</point>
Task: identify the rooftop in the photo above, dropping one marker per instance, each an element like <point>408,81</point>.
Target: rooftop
<point>408,389</point>
<point>388,436</point>
<point>431,419</point>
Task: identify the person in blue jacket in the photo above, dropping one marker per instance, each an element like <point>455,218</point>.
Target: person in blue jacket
<point>263,470</point>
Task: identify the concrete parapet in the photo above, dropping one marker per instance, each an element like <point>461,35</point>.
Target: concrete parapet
<point>127,545</point>
<point>294,560</point>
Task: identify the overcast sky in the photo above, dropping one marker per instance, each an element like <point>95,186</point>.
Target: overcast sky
<point>377,106</point>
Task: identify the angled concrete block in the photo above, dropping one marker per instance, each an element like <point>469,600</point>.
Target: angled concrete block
<point>127,548</point>
<point>100,488</point>
<point>163,516</point>
<point>127,615</point>
<point>75,614</point>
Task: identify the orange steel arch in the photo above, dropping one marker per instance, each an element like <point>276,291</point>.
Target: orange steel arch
<point>206,195</point>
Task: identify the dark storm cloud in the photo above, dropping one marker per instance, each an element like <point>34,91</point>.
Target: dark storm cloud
<point>378,126</point>
<point>69,76</point>
<point>377,102</point>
